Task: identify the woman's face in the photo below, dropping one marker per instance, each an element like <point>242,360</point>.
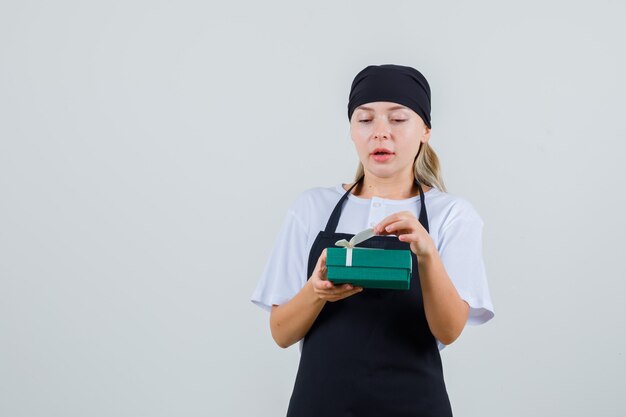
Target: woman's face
<point>387,137</point>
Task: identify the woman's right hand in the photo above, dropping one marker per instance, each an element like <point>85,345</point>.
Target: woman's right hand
<point>325,289</point>
<point>292,320</point>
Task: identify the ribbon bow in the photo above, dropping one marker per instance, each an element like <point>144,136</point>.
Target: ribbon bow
<point>356,239</point>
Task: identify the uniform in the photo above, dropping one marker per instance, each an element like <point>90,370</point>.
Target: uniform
<point>373,353</point>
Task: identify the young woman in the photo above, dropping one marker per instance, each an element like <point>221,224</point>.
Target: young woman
<point>372,352</point>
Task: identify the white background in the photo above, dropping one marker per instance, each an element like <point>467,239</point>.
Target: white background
<point>149,151</point>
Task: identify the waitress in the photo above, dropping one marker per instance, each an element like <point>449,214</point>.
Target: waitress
<point>371,352</point>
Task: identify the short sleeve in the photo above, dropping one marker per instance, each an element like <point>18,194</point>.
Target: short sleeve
<point>285,272</point>
<point>460,250</point>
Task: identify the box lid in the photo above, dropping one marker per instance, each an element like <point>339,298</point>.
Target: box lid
<point>372,258</point>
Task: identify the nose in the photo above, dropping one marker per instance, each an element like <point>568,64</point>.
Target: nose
<point>381,129</point>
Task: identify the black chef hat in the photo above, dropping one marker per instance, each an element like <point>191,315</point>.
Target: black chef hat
<point>394,83</point>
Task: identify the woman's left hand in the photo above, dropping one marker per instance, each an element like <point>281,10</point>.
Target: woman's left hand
<point>405,225</point>
<point>446,312</point>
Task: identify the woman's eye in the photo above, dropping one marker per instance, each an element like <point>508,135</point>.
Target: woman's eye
<point>364,120</point>
<point>399,120</point>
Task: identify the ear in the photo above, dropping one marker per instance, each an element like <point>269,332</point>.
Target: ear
<point>350,133</point>
<point>425,137</point>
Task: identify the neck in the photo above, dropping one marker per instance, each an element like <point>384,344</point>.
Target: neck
<point>389,188</point>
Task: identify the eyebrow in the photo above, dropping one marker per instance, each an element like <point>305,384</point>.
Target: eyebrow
<point>389,109</point>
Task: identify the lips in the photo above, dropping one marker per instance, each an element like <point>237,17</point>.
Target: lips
<point>381,154</point>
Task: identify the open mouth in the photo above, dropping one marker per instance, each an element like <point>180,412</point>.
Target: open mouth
<point>381,154</point>
<point>381,151</point>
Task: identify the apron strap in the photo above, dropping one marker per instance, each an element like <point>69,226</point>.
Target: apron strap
<point>333,221</point>
<point>423,215</point>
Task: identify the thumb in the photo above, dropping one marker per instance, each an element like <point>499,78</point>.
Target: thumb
<point>321,265</point>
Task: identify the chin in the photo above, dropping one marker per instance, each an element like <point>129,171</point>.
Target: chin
<point>381,173</point>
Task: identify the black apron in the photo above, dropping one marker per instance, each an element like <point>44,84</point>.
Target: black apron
<point>371,354</point>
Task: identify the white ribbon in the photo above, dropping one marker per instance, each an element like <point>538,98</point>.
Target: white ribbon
<point>356,239</point>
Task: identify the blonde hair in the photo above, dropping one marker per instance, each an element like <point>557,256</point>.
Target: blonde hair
<point>426,168</point>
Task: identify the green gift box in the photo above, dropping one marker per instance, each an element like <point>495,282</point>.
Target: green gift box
<point>368,268</point>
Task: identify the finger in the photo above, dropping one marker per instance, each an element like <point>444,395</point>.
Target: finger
<point>350,293</point>
<point>380,227</point>
<point>337,290</point>
<point>395,227</point>
<point>323,285</point>
<point>329,291</point>
<point>409,225</point>
<point>321,265</point>
<point>320,260</point>
<point>327,288</point>
<point>408,237</point>
<point>323,257</point>
<point>323,273</point>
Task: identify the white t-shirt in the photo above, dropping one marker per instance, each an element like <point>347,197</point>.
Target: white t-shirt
<point>455,227</point>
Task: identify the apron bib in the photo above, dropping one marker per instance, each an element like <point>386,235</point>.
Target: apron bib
<point>371,354</point>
